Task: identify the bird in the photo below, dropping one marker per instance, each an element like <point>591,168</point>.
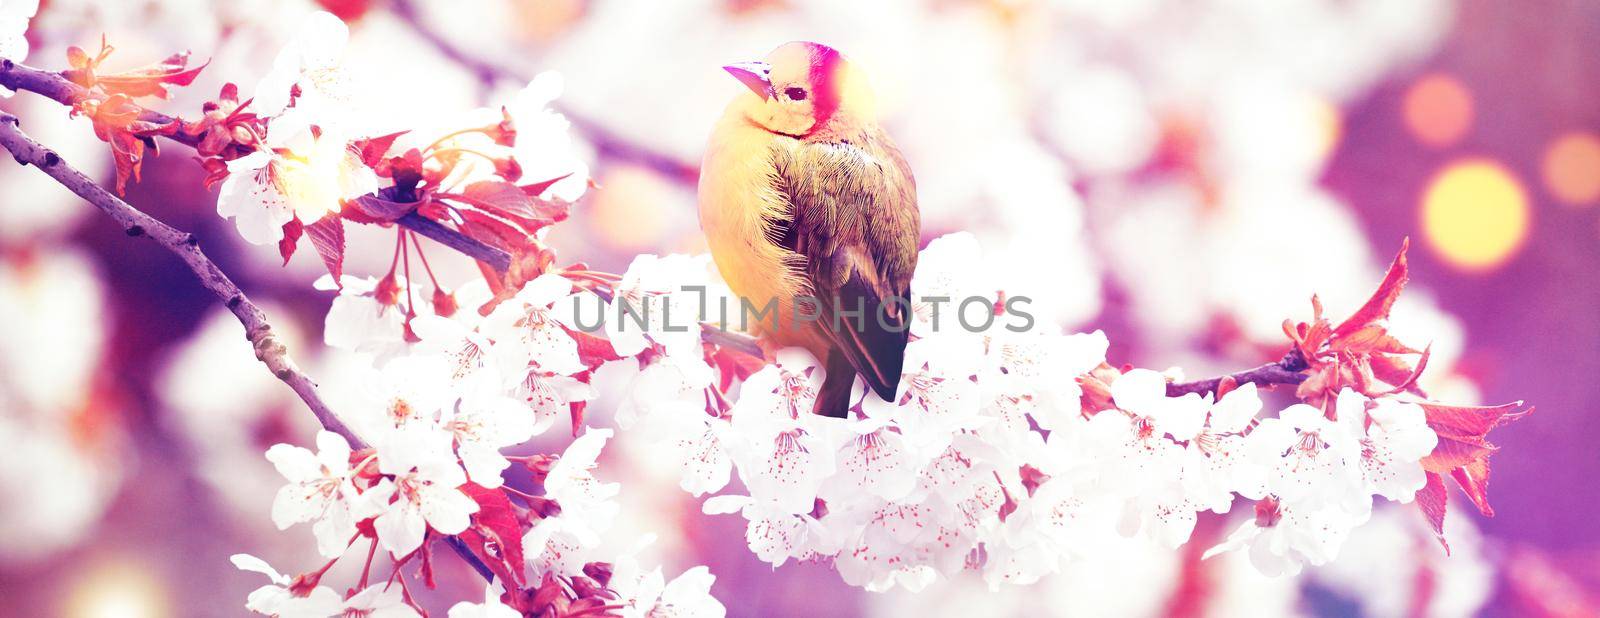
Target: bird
<point>806,203</point>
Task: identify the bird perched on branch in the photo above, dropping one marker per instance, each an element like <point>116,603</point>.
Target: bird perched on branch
<point>808,207</point>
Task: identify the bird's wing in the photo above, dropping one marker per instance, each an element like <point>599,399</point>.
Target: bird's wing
<point>853,224</point>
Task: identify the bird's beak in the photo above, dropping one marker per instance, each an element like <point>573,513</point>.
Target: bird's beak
<point>753,75</point>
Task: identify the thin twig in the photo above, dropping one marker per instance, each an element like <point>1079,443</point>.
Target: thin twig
<point>1288,370</point>
<point>269,349</point>
<point>488,73</point>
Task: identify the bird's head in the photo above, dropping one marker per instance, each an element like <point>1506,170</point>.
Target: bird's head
<point>802,89</point>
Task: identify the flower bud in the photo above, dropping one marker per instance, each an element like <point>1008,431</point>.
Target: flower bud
<point>600,571</point>
<point>444,303</point>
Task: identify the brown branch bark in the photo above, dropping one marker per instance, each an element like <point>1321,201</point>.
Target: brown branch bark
<point>607,142</point>
<point>268,348</point>
<point>1288,370</point>
<point>136,223</point>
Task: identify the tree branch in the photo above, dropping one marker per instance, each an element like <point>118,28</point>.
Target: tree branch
<point>269,349</point>
<point>1288,370</point>
<point>609,143</point>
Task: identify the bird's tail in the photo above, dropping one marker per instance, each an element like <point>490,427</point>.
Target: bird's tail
<point>834,398</point>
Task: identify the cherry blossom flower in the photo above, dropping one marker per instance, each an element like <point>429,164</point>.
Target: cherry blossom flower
<point>563,543</point>
<point>1143,393</point>
<point>651,304</point>
<point>783,451</point>
<point>360,322</point>
<point>1282,536</point>
<point>1308,458</point>
<point>544,145</point>
<point>299,173</point>
<point>466,349</point>
<point>529,328</point>
<point>490,608</point>
<point>309,64</point>
<point>947,272</point>
<point>571,483</point>
<point>384,600</point>
<point>1215,463</point>
<point>426,481</point>
<point>484,421</point>
<point>647,594</point>
<point>774,536</point>
<point>276,598</point>
<point>320,490</point>
<point>1391,446</point>
<point>407,393</point>
<point>700,443</point>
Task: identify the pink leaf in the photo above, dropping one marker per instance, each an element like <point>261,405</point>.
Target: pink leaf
<point>327,236</point>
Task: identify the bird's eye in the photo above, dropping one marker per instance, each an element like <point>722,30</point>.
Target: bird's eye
<point>795,94</point>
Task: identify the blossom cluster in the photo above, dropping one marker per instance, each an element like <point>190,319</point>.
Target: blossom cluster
<point>438,413</point>
<point>1006,453</point>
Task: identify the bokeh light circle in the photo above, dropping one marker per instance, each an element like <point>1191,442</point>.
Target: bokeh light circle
<point>1438,110</point>
<point>1571,168</point>
<point>1475,214</point>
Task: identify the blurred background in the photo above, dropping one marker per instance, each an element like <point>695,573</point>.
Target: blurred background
<point>1181,174</point>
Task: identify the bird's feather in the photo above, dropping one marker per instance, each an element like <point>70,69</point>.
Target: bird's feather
<point>852,225</point>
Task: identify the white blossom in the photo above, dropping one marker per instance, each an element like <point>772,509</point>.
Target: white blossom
<point>647,594</point>
<point>299,173</point>
<point>544,145</point>
<point>490,608</point>
<point>320,489</point>
<point>1391,438</point>
<point>311,62</point>
<point>275,599</point>
<point>484,421</point>
<point>426,481</point>
<point>529,328</point>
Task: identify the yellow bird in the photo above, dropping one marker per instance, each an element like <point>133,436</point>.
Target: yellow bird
<point>807,205</point>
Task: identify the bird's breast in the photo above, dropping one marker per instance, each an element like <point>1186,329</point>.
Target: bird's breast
<point>738,199</point>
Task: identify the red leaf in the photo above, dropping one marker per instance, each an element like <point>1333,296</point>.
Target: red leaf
<point>487,228</point>
<point>374,209</point>
<point>1432,499</point>
<point>495,536</point>
<point>1464,449</point>
<point>154,79</point>
<point>373,149</point>
<point>734,365</point>
<point>509,202</point>
<point>538,188</point>
<point>1377,307</point>
<point>291,239</point>
<point>1372,338</point>
<point>327,236</point>
<point>1471,420</point>
<point>1394,370</point>
<point>1451,453</point>
<point>578,408</point>
<point>592,349</point>
<point>1474,481</point>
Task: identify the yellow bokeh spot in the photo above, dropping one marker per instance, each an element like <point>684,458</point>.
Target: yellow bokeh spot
<point>1571,169</point>
<point>1438,110</point>
<point>1330,125</point>
<point>117,588</point>
<point>627,210</point>
<point>1475,214</point>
